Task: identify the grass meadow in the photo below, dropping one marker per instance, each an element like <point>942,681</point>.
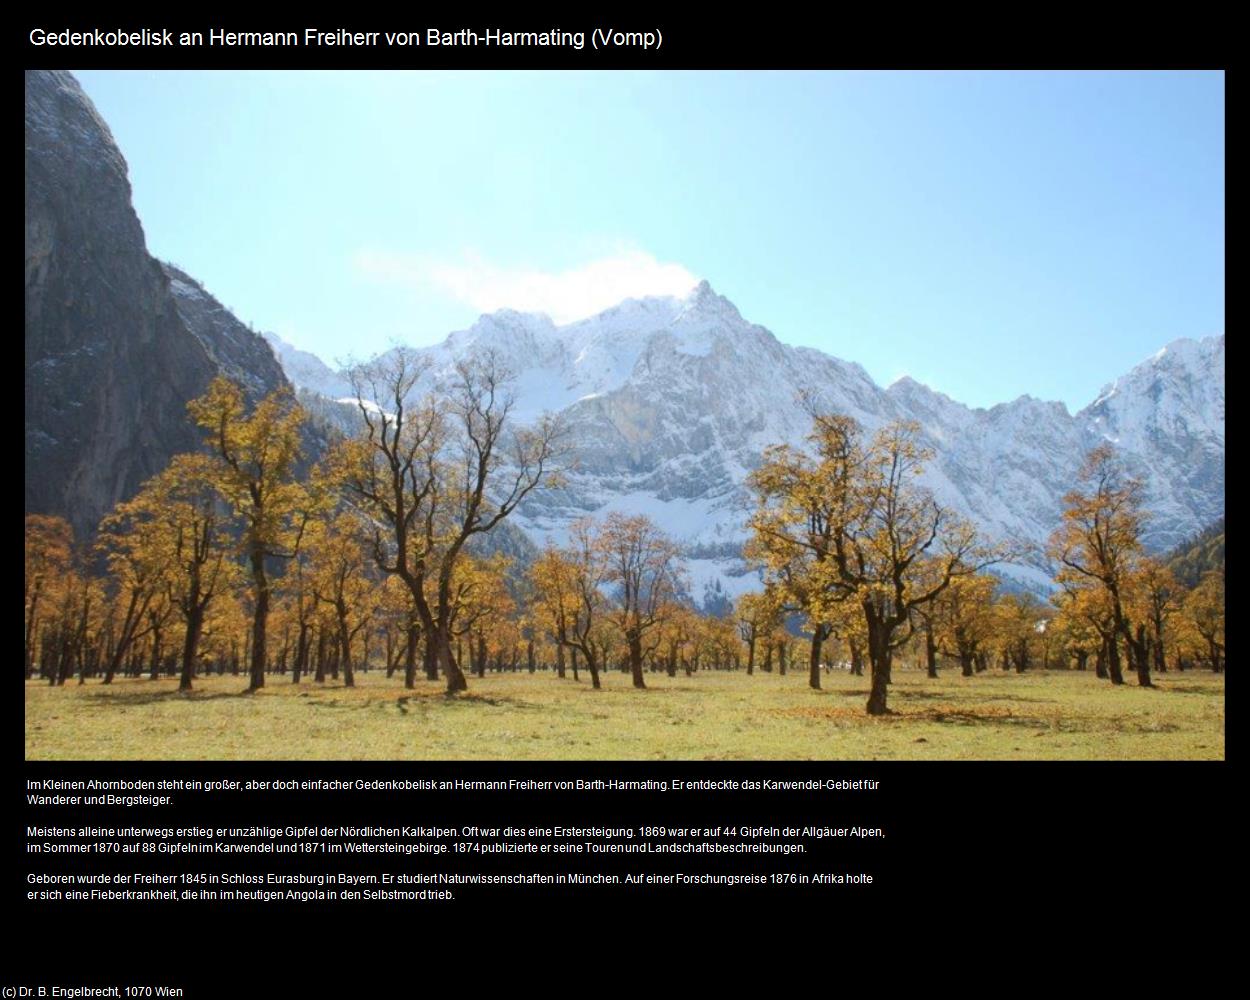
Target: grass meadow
<point>1038,715</point>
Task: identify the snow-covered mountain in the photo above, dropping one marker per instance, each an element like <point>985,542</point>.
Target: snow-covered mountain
<point>307,371</point>
<point>670,403</point>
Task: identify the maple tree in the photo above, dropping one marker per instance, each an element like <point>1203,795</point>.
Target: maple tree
<point>432,470</point>
<point>1098,544</point>
<point>851,523</point>
<point>256,454</point>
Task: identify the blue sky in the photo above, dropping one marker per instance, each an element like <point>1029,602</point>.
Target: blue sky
<point>990,234</point>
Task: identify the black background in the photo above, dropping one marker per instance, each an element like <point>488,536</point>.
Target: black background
<point>1092,851</point>
<point>755,37</point>
<point>1100,853</point>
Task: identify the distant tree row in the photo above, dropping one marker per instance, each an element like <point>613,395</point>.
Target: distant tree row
<point>1118,604</point>
<point>245,559</point>
<point>230,531</point>
<point>855,548</point>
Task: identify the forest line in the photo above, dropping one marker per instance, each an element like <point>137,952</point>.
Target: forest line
<point>245,558</point>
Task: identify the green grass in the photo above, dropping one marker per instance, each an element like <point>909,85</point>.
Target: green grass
<point>710,716</point>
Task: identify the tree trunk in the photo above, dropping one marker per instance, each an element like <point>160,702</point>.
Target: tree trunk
<point>1113,661</point>
<point>879,664</point>
<point>1161,663</point>
<point>157,651</point>
<point>29,661</point>
<point>190,646</point>
<point>301,654</point>
<point>66,664</point>
<point>1141,657</point>
<point>635,660</point>
<point>930,651</point>
<point>129,624</point>
<point>410,656</point>
<point>813,657</point>
<point>260,619</point>
<point>390,653</point>
<point>455,676</point>
<point>429,658</point>
<point>879,692</point>
<point>345,643</point>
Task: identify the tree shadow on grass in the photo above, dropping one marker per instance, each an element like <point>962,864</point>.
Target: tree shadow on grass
<point>494,701</point>
<point>159,697</point>
<point>405,703</point>
<point>907,694</point>
<point>1053,723</point>
<point>971,718</point>
<point>358,703</point>
<point>963,696</point>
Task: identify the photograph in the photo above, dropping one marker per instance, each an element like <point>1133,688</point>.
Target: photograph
<point>507,415</point>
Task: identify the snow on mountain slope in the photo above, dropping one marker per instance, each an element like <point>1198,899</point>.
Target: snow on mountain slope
<point>306,370</point>
<point>670,403</point>
<point>1167,417</point>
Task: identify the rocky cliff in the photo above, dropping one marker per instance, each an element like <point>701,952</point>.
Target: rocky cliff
<point>116,342</point>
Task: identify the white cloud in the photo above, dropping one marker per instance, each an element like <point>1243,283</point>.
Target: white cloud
<point>565,296</point>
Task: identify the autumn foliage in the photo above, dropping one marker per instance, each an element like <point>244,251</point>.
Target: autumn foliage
<point>250,558</point>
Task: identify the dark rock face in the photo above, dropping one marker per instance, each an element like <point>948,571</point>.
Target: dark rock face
<point>116,343</point>
<point>234,350</point>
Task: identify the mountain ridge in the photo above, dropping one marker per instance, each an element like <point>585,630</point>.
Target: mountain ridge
<point>670,402</point>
